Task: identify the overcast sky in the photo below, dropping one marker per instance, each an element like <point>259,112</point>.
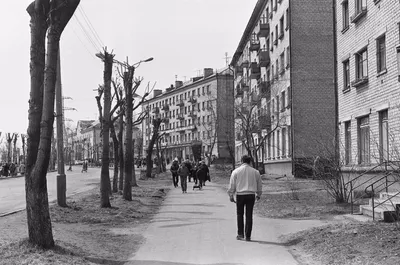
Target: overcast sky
<point>183,36</point>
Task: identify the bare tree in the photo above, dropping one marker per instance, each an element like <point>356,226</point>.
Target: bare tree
<point>156,128</point>
<point>9,143</point>
<point>51,18</point>
<point>23,137</point>
<point>15,159</point>
<point>105,118</point>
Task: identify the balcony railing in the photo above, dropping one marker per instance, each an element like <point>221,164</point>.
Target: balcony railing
<point>255,71</point>
<point>165,107</point>
<point>264,59</point>
<point>360,81</point>
<point>238,70</point>
<point>192,114</point>
<point>180,103</point>
<point>192,100</point>
<point>254,44</point>
<point>180,116</point>
<point>244,63</point>
<point>264,89</point>
<point>264,28</point>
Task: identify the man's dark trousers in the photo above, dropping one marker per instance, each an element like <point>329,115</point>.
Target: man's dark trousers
<point>243,201</point>
<point>175,179</point>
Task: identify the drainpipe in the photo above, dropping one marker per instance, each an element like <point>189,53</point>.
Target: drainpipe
<point>292,136</point>
<point>337,151</point>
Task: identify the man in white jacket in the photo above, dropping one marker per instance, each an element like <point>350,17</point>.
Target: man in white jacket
<point>246,183</point>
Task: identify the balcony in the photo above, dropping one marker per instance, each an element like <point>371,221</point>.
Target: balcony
<point>264,122</point>
<point>180,103</point>
<point>244,63</point>
<point>254,44</point>
<point>263,57</point>
<point>358,14</point>
<point>255,71</point>
<point>192,127</point>
<point>264,89</point>
<point>192,114</point>
<point>156,110</point>
<point>243,85</point>
<point>192,100</point>
<point>181,129</point>
<point>239,92</point>
<point>180,116</point>
<point>165,120</point>
<point>264,28</point>
<point>165,107</point>
<point>238,70</point>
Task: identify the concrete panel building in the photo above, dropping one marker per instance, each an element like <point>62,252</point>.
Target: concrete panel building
<point>200,110</point>
<point>285,60</point>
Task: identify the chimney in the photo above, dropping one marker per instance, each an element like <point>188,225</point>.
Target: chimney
<point>170,88</point>
<point>156,92</point>
<point>208,72</point>
<point>178,84</point>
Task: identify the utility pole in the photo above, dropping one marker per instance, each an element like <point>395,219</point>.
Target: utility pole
<point>61,178</point>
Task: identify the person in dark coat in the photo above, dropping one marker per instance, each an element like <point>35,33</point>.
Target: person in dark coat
<point>174,170</point>
<point>202,174</point>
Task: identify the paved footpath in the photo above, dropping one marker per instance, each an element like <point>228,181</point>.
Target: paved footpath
<point>200,228</point>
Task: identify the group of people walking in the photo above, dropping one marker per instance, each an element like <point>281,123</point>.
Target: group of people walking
<point>11,169</point>
<point>189,170</point>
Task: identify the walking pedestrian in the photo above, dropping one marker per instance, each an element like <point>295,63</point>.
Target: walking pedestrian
<point>174,170</point>
<point>183,172</point>
<point>246,183</point>
<point>202,174</point>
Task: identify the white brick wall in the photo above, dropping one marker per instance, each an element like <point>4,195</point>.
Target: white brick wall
<point>380,91</point>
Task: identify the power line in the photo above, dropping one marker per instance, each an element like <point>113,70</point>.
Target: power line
<point>84,45</point>
<point>97,48</point>
<point>86,18</point>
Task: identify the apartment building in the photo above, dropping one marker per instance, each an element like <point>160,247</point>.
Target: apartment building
<point>198,111</point>
<point>284,81</point>
<point>368,54</point>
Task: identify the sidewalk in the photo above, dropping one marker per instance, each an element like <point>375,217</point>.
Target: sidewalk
<point>200,228</point>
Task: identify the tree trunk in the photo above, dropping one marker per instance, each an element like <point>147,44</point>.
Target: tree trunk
<point>128,79</point>
<point>154,137</point>
<point>116,159</point>
<point>15,148</point>
<point>121,150</point>
<point>105,162</point>
<point>41,112</point>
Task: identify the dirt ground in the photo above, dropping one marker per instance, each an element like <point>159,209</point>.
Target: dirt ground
<point>84,233</point>
<point>342,242</point>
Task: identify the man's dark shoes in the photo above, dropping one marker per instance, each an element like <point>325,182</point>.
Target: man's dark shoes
<point>248,239</point>
<point>239,237</point>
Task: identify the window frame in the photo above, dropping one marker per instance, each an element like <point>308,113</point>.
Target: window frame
<point>381,54</point>
<point>346,75</point>
<point>345,16</point>
<point>364,145</point>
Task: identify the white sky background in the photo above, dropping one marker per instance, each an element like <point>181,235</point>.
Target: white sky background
<point>183,36</point>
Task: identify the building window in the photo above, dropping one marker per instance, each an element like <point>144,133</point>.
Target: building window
<point>269,146</point>
<point>287,57</point>
<point>346,75</point>
<point>272,5</point>
<point>345,15</point>
<point>281,25</point>
<point>276,35</point>
<point>360,10</point>
<point>283,142</point>
<point>283,101</point>
<point>287,19</point>
<point>282,67</point>
<point>398,62</point>
<point>363,141</point>
<point>383,136</point>
<point>277,68</point>
<point>347,142</point>
<point>381,54</point>
<point>272,39</point>
<point>278,149</point>
<point>361,59</point>
<point>273,144</point>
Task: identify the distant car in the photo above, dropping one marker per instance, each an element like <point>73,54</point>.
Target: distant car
<point>78,162</point>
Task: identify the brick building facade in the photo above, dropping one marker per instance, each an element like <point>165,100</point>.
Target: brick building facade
<point>198,111</point>
<point>285,60</point>
<point>368,53</point>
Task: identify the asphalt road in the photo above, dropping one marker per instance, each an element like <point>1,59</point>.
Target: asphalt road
<point>12,190</point>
